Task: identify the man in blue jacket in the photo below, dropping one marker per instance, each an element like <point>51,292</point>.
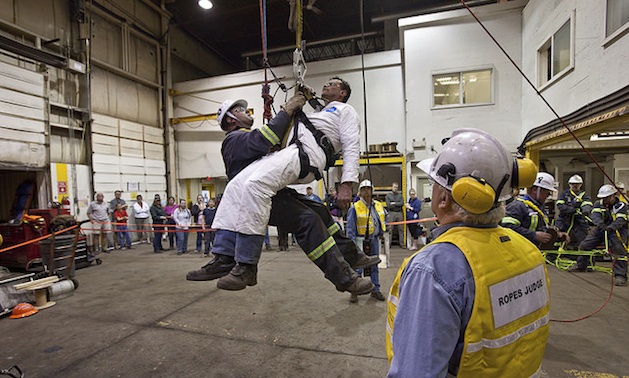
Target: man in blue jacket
<point>526,214</point>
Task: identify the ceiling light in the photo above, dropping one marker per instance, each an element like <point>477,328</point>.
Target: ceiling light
<point>609,136</point>
<point>205,4</point>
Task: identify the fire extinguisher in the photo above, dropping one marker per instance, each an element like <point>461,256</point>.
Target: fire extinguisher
<point>65,205</point>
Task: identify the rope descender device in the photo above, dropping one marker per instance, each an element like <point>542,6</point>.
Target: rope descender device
<point>299,64</point>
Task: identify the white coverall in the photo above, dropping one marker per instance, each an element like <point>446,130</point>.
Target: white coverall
<point>246,204</point>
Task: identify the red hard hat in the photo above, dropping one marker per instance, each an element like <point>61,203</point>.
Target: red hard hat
<point>22,310</point>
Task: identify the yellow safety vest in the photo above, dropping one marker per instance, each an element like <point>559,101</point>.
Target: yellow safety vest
<point>509,324</point>
<point>362,217</point>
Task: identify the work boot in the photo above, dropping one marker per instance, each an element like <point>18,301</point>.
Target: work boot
<point>241,276</point>
<point>620,281</point>
<point>220,266</point>
<point>360,286</point>
<point>377,296</point>
<point>363,261</point>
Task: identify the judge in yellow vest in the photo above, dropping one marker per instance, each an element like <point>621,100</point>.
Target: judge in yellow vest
<point>365,225</point>
<point>475,301</point>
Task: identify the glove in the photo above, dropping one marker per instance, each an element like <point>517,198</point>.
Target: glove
<point>294,103</point>
<point>610,230</point>
<point>307,91</point>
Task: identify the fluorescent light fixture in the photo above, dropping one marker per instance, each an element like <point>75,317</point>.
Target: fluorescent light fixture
<point>609,136</point>
<point>205,4</point>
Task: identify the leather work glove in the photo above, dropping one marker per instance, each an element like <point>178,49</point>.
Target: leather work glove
<point>307,91</point>
<point>294,103</point>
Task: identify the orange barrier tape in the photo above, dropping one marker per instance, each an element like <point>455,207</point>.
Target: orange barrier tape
<point>424,220</point>
<point>38,239</point>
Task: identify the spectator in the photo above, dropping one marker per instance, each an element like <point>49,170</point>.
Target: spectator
<point>98,212</point>
<point>413,207</point>
<point>141,214</point>
<point>197,214</point>
<point>267,239</point>
<point>335,210</point>
<point>395,203</point>
<point>170,209</point>
<point>121,217</point>
<point>183,218</point>
<point>311,196</point>
<point>159,218</point>
<point>208,217</point>
<point>117,200</point>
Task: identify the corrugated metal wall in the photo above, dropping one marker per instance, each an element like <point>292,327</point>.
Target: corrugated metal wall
<point>22,118</point>
<point>127,153</point>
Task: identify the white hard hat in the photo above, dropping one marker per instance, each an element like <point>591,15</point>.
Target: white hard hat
<point>475,153</point>
<point>606,191</point>
<point>226,106</point>
<point>620,185</point>
<point>575,179</point>
<point>365,184</point>
<point>545,181</point>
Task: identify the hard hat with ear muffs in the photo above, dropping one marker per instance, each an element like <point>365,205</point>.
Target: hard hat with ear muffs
<point>477,169</point>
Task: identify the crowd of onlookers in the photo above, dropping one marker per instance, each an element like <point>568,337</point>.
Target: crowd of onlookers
<point>114,224</point>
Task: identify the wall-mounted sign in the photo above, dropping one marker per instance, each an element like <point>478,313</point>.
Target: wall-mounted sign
<point>133,186</point>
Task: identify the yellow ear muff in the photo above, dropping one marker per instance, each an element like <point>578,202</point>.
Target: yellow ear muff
<point>473,194</point>
<point>526,173</point>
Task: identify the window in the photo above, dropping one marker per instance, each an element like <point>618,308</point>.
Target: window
<point>617,15</point>
<point>462,88</point>
<point>554,58</point>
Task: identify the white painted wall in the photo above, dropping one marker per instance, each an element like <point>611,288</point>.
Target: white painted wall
<point>453,41</point>
<point>198,144</point>
<point>601,67</point>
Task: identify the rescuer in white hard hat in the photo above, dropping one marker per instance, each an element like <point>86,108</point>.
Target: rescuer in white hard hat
<point>609,215</point>
<point>441,295</point>
<point>527,216</point>
<point>574,207</point>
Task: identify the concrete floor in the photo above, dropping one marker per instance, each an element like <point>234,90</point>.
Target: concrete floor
<point>136,316</point>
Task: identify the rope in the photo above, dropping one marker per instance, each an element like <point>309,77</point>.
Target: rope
<point>362,64</point>
<point>266,88</point>
<point>38,239</point>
